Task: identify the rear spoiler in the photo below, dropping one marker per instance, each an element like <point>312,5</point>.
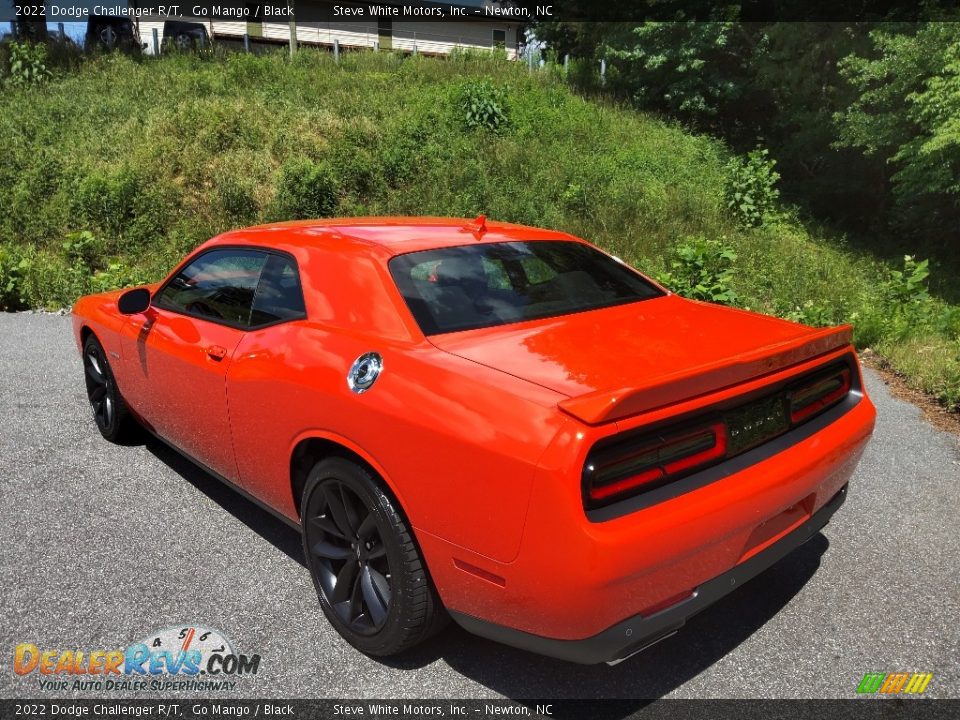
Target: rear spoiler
<point>607,405</point>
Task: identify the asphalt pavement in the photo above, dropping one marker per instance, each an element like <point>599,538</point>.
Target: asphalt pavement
<point>101,545</point>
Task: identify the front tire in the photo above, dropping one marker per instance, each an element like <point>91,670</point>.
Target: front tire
<point>109,410</point>
<point>372,583</point>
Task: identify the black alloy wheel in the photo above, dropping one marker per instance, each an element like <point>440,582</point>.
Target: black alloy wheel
<point>350,557</point>
<point>109,409</point>
<point>372,583</point>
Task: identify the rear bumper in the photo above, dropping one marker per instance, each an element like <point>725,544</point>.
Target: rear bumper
<point>638,632</point>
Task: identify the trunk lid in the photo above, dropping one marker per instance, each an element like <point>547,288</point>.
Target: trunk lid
<point>619,361</point>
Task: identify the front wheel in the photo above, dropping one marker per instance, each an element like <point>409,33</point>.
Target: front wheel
<point>109,410</point>
<point>372,582</point>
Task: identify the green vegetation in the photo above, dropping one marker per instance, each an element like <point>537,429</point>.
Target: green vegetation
<point>305,189</point>
<point>752,187</point>
<point>113,172</point>
<point>484,105</point>
<point>26,64</point>
<point>907,109</point>
<point>702,270</point>
<point>860,116</point>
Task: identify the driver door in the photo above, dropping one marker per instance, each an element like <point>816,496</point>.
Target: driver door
<point>183,346</point>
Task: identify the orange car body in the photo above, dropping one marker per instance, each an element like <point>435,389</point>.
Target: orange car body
<point>483,435</point>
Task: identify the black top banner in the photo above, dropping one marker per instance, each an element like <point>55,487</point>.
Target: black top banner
<point>509,11</point>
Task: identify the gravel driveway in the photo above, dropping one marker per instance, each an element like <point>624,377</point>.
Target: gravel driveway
<point>104,544</point>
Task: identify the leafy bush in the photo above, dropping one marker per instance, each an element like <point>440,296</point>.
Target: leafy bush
<point>751,187</point>
<point>27,64</point>
<point>83,247</point>
<point>483,106</point>
<point>305,190</point>
<point>53,278</point>
<point>47,279</point>
<point>702,270</point>
<point>909,286</point>
<point>117,275</point>
<point>12,265</point>
<point>904,310</point>
<point>820,314</point>
<point>948,323</point>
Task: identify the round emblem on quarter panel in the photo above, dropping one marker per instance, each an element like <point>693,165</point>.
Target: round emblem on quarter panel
<point>364,372</point>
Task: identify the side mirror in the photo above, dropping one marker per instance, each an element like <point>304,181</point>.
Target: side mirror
<point>135,301</point>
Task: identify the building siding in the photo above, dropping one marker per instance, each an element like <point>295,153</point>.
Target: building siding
<point>423,37</point>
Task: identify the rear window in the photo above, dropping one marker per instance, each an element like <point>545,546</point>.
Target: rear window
<point>475,286</point>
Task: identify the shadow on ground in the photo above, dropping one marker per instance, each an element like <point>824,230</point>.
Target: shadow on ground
<point>707,638</point>
<point>526,677</point>
<point>267,525</point>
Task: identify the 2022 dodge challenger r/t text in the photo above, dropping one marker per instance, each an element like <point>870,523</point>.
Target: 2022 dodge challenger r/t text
<point>493,422</point>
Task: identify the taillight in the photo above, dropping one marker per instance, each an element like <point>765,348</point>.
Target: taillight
<point>650,462</point>
<point>818,394</point>
<point>625,465</point>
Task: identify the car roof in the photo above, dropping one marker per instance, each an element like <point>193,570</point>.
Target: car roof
<point>386,236</point>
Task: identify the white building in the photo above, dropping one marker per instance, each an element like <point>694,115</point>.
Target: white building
<point>324,30</point>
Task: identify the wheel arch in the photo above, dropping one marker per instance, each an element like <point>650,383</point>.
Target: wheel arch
<point>313,447</point>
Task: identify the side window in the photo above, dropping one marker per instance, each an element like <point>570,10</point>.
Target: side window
<point>219,285</point>
<point>279,296</point>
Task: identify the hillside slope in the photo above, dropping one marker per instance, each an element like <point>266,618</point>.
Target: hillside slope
<point>113,172</point>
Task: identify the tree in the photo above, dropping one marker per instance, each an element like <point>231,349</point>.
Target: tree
<point>863,118</point>
<point>695,71</point>
<point>907,112</point>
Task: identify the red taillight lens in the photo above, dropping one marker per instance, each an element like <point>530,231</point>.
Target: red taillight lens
<point>818,395</point>
<point>650,462</point>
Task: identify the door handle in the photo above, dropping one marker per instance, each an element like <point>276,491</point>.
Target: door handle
<point>215,352</point>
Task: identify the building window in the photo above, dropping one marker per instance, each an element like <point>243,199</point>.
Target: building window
<point>499,38</point>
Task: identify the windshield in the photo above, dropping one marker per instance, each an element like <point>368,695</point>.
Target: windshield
<point>475,286</point>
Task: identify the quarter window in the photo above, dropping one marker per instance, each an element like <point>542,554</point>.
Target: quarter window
<point>279,296</point>
<point>219,285</point>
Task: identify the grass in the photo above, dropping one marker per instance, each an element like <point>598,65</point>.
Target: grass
<point>114,171</point>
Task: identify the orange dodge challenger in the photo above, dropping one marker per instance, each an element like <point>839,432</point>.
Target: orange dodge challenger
<point>496,423</point>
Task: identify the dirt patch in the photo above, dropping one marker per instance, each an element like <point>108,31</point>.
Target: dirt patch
<point>933,412</point>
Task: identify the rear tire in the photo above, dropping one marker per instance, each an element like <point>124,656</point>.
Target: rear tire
<point>109,410</point>
<point>371,580</point>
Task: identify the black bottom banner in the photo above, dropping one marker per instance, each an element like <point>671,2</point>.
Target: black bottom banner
<point>866,709</point>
